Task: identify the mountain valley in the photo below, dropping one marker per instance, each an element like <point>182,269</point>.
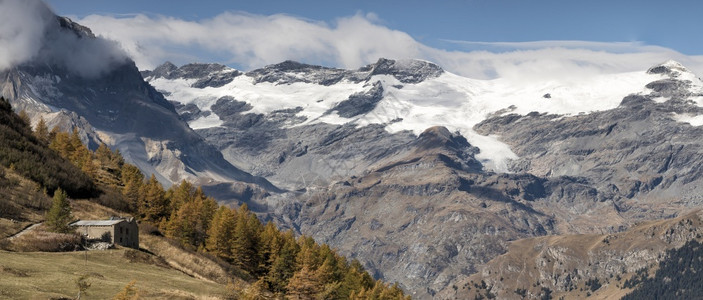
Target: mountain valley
<point>432,180</point>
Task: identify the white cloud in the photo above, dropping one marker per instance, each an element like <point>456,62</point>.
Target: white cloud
<point>20,38</point>
<point>31,32</point>
<point>252,41</point>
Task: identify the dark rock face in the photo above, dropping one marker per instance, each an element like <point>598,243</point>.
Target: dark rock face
<point>227,106</point>
<point>360,103</point>
<point>189,112</point>
<point>413,71</point>
<point>78,29</point>
<point>285,73</point>
<point>208,75</point>
<point>410,71</point>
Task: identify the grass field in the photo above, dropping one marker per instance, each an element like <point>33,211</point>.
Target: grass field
<point>37,275</point>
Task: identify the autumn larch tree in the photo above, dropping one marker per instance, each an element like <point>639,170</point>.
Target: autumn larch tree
<point>59,216</point>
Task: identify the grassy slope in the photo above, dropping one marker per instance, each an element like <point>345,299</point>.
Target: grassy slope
<point>36,275</point>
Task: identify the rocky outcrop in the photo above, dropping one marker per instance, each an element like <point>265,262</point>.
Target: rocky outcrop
<point>360,103</point>
<point>207,75</point>
<point>406,71</point>
<point>288,72</point>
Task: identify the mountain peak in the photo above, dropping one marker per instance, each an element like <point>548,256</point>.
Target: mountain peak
<point>291,65</point>
<point>669,67</point>
<point>406,70</point>
<point>165,70</point>
<point>440,137</point>
<point>207,75</point>
<point>80,30</point>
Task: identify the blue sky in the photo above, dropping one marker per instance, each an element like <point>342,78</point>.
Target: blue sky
<point>469,26</point>
<point>671,24</point>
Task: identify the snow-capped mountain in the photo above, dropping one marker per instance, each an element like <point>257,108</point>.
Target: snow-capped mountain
<point>396,95</point>
<point>578,155</point>
<point>421,174</point>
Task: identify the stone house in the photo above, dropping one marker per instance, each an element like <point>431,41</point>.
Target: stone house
<point>116,230</point>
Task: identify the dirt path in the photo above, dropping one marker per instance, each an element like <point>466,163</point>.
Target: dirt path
<point>23,231</point>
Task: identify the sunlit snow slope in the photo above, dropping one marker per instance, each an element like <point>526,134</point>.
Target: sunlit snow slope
<point>447,99</point>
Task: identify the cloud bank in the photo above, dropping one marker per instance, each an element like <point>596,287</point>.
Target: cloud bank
<point>251,41</point>
<point>31,32</point>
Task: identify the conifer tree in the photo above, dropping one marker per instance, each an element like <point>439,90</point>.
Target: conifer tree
<point>303,285</point>
<point>256,291</point>
<point>41,131</point>
<point>181,224</point>
<point>79,154</point>
<point>245,242</point>
<point>61,143</point>
<point>59,216</point>
<point>271,241</point>
<point>132,182</point>
<point>153,204</point>
<point>208,207</point>
<point>104,155</point>
<point>326,276</point>
<point>25,117</point>
<point>309,253</point>
<point>283,266</point>
<point>180,194</point>
<point>52,134</point>
<point>219,241</point>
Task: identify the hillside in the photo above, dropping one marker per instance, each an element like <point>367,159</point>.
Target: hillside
<point>36,275</point>
<point>182,231</point>
<point>29,157</point>
<point>678,276</point>
<point>580,266</point>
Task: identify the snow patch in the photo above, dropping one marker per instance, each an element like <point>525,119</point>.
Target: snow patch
<point>209,121</point>
<point>690,119</point>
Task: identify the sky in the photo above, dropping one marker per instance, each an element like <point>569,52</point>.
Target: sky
<point>475,38</point>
